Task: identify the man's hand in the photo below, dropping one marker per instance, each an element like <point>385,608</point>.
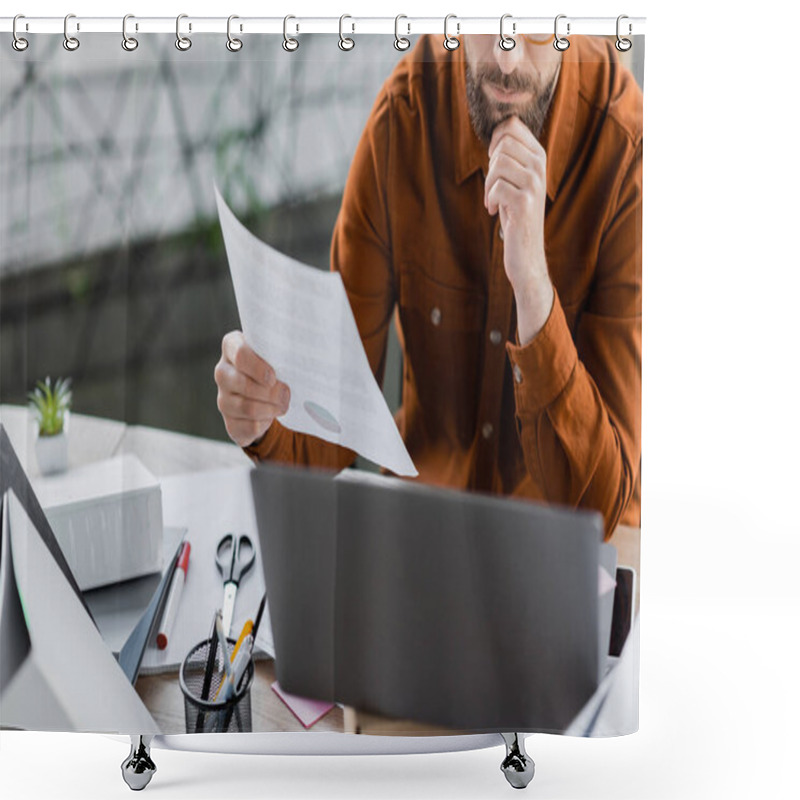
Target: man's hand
<point>249,395</point>
<point>516,188</point>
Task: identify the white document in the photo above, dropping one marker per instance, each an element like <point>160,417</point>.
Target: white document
<point>208,505</point>
<point>298,319</point>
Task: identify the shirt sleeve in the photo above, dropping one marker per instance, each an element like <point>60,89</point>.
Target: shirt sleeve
<point>360,252</point>
<point>578,401</point>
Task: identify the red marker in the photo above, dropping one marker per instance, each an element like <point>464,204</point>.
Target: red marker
<point>175,592</point>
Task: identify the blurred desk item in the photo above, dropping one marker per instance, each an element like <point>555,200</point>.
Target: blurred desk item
<point>90,439</point>
<point>614,694</point>
<point>107,519</point>
<point>628,541</point>
<point>167,453</point>
<point>94,439</point>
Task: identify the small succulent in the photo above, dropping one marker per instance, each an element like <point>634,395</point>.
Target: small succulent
<point>50,403</point>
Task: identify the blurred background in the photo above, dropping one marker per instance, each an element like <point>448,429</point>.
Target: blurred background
<point>112,267</point>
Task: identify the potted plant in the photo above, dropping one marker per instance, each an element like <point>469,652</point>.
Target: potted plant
<point>50,404</point>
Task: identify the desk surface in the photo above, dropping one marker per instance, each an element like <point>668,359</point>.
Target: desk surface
<point>93,439</point>
<point>167,453</point>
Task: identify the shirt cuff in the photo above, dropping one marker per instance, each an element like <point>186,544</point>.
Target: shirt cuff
<point>265,447</point>
<point>542,368</point>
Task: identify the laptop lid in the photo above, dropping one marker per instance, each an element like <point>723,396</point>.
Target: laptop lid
<point>459,609</point>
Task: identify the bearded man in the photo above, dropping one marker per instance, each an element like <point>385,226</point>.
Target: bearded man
<point>493,204</point>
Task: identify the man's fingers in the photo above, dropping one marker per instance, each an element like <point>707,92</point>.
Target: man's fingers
<point>504,194</point>
<point>237,352</point>
<point>505,168</point>
<point>229,379</point>
<point>245,398</point>
<point>517,129</point>
<point>249,395</point>
<point>516,150</point>
<point>513,163</point>
<point>245,432</point>
<point>236,407</point>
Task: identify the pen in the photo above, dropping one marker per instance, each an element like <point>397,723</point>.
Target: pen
<point>212,659</point>
<point>258,617</point>
<point>238,674</point>
<point>223,648</point>
<point>222,644</point>
<point>239,669</point>
<point>248,627</point>
<point>210,662</point>
<point>174,598</point>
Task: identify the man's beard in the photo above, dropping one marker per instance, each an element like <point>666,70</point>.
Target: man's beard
<point>486,115</point>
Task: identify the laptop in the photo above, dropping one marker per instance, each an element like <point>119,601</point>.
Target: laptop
<point>458,609</point>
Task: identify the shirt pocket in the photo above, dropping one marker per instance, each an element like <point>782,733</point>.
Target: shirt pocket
<point>442,329</point>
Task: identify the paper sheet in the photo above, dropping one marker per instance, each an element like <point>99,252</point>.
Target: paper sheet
<point>307,711</point>
<point>208,505</point>
<point>298,319</point>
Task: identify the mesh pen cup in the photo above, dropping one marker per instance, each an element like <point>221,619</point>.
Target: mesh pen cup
<point>206,716</point>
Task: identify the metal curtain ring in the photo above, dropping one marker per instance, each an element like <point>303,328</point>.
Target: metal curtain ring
<point>289,44</point>
<point>400,42</point>
<point>623,45</point>
<point>345,43</point>
<point>183,43</point>
<point>70,42</point>
<point>450,42</point>
<point>506,42</point>
<point>18,43</point>
<point>558,42</point>
<point>129,43</point>
<point>233,44</point>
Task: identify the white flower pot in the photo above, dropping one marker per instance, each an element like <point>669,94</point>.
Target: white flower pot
<point>51,453</point>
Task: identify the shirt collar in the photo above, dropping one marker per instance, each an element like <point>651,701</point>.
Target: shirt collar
<point>471,153</point>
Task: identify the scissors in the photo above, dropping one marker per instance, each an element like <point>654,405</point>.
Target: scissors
<point>235,556</point>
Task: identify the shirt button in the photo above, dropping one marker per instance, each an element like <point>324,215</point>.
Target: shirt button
<point>436,316</point>
<point>500,234</point>
<point>495,337</point>
<point>487,430</point>
<point>517,373</point>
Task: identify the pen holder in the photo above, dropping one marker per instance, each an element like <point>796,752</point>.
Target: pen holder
<point>207,716</point>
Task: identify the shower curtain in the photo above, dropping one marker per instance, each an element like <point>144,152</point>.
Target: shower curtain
<point>373,310</point>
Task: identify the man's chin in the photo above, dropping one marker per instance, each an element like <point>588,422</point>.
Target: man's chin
<point>501,114</point>
<point>503,111</point>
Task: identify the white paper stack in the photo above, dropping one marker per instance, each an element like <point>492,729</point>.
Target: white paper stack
<point>107,519</point>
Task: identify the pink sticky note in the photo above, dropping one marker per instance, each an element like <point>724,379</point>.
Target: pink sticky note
<point>307,711</point>
<point>605,583</point>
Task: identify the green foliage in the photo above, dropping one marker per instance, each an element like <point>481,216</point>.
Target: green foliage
<point>50,403</point>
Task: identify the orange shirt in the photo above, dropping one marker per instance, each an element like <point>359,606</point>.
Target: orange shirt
<point>558,419</point>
